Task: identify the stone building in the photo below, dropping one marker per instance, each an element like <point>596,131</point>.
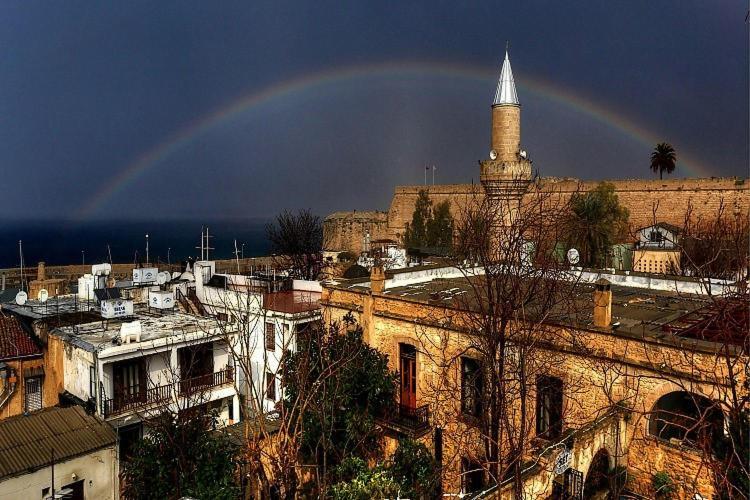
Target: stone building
<point>628,383</point>
<point>508,173</point>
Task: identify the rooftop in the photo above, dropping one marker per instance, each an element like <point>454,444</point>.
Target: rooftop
<point>639,311</point>
<point>27,441</point>
<point>100,335</point>
<point>54,306</point>
<point>15,341</point>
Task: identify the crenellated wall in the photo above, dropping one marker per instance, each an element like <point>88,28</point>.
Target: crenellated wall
<point>670,197</point>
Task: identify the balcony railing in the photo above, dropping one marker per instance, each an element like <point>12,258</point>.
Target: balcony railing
<point>138,400</point>
<point>407,420</point>
<point>162,394</point>
<point>194,385</point>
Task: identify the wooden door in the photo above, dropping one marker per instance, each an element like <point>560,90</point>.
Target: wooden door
<point>408,370</point>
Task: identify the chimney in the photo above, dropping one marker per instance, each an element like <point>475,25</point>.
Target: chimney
<point>41,275</point>
<point>602,303</point>
<point>377,279</point>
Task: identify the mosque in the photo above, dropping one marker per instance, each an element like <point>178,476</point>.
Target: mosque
<point>507,172</point>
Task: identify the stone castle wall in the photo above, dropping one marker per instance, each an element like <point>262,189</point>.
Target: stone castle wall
<point>671,197</point>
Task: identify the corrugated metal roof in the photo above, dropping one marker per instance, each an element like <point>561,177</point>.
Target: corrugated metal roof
<point>27,441</point>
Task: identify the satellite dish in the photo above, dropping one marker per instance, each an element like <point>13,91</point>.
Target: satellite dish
<point>573,256</point>
<point>43,295</point>
<point>162,278</point>
<point>522,154</point>
<point>493,155</point>
<point>21,298</point>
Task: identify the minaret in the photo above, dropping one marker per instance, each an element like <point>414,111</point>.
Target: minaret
<point>507,172</point>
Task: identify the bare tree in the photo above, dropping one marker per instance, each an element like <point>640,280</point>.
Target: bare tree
<point>518,292</point>
<point>297,242</point>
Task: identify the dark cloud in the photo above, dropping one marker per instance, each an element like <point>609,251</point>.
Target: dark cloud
<point>86,89</point>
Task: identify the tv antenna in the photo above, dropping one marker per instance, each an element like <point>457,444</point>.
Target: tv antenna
<point>205,243</point>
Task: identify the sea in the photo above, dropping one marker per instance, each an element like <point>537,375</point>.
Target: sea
<point>66,242</point>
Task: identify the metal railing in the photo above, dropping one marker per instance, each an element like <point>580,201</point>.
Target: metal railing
<point>141,399</point>
<point>206,382</point>
<point>132,401</point>
<point>408,420</point>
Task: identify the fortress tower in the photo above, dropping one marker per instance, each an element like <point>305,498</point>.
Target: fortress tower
<point>507,172</point>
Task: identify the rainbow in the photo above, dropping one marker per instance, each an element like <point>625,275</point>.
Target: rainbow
<point>397,70</point>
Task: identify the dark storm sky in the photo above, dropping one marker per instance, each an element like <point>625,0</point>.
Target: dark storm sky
<point>88,89</point>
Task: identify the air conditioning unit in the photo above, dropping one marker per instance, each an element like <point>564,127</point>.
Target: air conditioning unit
<point>161,299</point>
<point>130,332</point>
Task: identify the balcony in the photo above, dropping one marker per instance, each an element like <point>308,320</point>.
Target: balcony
<point>137,401</point>
<point>163,394</point>
<point>412,422</point>
<point>201,383</point>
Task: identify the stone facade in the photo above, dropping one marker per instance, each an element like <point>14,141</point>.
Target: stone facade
<point>606,366</point>
<point>667,200</point>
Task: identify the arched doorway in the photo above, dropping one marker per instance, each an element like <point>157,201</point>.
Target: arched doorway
<point>596,486</point>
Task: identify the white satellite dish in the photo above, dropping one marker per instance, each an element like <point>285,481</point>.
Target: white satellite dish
<point>493,154</point>
<point>573,256</point>
<point>43,295</point>
<point>522,153</point>
<point>162,277</point>
<point>21,298</point>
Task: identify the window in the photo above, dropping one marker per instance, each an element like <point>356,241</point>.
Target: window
<point>92,382</point>
<point>687,417</point>
<point>472,476</point>
<point>549,402</point>
<point>270,386</point>
<point>270,336</point>
<point>471,387</point>
<point>33,393</point>
<point>222,317</point>
<point>129,381</point>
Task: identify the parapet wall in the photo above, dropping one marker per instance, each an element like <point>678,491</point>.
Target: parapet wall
<point>667,200</point>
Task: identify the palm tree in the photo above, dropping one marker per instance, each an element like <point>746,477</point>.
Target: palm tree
<point>663,159</point>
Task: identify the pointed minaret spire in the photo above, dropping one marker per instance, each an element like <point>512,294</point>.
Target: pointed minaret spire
<point>506,87</point>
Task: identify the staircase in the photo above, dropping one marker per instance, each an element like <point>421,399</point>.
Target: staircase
<point>190,304</point>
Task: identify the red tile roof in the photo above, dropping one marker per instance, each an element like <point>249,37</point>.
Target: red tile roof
<point>15,341</point>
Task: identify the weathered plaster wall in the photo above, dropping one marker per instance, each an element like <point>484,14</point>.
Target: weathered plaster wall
<point>98,470</point>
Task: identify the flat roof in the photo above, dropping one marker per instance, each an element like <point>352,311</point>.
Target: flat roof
<point>54,306</point>
<point>639,311</point>
<point>100,335</point>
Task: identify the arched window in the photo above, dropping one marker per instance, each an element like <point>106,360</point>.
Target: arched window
<point>685,416</point>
